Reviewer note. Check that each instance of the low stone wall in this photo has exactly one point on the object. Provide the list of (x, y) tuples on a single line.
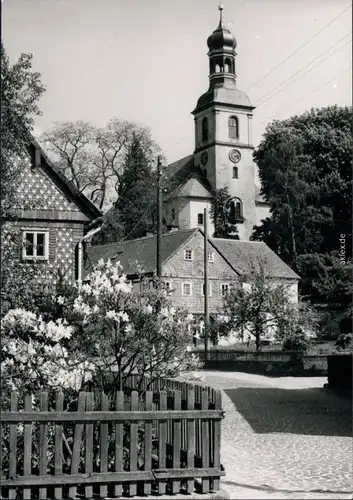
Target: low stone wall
[(340, 372), (264, 362)]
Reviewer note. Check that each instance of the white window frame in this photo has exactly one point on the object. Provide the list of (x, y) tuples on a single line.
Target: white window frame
[(35, 232), (228, 289), (210, 256), (200, 223), (191, 255), (182, 289), (209, 289)]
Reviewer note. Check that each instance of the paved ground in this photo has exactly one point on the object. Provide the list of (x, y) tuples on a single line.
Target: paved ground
[(284, 437)]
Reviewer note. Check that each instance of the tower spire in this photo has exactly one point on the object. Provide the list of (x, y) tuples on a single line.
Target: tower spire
[(220, 8)]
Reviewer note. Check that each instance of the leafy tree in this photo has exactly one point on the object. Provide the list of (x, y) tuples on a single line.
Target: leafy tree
[(305, 169), (223, 227), (134, 212), (262, 308), (94, 158), (21, 89)]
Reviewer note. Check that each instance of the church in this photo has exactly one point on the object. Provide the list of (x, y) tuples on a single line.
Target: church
[(223, 154)]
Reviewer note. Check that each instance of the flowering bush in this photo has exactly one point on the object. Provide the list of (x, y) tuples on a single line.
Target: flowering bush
[(123, 332), (34, 354), (101, 330)]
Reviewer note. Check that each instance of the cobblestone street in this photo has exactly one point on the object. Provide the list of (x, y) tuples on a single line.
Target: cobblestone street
[(284, 437)]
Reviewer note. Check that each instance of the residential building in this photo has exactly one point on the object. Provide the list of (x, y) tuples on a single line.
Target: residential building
[(223, 150), (183, 266), (51, 215)]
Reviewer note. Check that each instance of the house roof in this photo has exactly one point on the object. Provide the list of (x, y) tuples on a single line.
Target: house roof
[(55, 174), (243, 255), (141, 250), (239, 254)]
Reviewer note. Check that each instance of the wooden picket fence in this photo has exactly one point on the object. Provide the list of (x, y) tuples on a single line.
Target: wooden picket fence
[(155, 442)]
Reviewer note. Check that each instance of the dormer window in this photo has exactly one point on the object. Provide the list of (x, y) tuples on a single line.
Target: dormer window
[(204, 127), (233, 127)]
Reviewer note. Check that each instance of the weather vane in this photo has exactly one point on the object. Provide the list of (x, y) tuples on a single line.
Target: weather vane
[(220, 8)]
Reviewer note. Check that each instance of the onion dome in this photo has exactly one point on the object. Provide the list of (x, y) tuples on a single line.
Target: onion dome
[(221, 38)]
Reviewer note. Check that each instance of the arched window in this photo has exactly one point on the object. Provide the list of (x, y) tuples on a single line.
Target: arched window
[(217, 68), (238, 210), (233, 126), (235, 172), (234, 210), (227, 66), (204, 129)]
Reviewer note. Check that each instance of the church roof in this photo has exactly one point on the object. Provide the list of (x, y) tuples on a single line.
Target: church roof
[(193, 188), (227, 96), (185, 179)]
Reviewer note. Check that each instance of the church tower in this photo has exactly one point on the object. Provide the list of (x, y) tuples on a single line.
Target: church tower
[(223, 131)]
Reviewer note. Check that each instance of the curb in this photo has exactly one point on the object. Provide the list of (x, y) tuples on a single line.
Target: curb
[(217, 495)]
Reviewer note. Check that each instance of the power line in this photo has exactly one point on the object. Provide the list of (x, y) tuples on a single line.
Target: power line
[(300, 70), (297, 50), (311, 92), (289, 57)]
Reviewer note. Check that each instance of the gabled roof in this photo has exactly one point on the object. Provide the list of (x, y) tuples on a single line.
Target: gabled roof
[(193, 188), (240, 255), (141, 250), (185, 179), (63, 183)]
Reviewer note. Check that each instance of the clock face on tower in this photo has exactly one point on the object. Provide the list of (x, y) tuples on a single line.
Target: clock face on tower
[(204, 158), (234, 155)]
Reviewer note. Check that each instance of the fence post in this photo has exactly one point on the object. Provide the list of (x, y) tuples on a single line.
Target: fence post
[(76, 449), (176, 441), (43, 444), (27, 457), (133, 442), (13, 446), (191, 439), (58, 470), (104, 443), (217, 439), (162, 441), (89, 445), (205, 450), (148, 441)]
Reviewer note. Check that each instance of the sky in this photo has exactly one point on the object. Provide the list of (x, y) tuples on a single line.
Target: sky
[(146, 60)]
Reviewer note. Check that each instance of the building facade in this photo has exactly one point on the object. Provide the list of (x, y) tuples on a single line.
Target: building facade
[(223, 154), (183, 266), (51, 216)]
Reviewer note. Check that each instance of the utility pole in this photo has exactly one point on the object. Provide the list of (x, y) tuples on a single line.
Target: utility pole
[(159, 218), (206, 285)]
